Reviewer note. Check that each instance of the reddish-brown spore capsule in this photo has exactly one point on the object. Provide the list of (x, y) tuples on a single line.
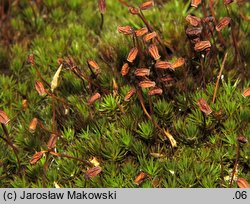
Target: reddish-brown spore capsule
[(147, 84), (204, 107), (125, 69), (33, 125), (140, 178), (93, 172), (141, 72), (129, 95), (132, 54), (4, 119), (153, 50), (94, 98)]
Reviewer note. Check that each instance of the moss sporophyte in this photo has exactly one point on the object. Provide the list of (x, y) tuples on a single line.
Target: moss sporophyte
[(157, 88)]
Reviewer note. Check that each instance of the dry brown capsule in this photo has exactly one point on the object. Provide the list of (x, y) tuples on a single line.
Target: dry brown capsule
[(218, 115), (142, 72), (195, 40), (246, 92), (150, 36), (153, 50), (115, 87), (208, 19), (132, 54), (167, 78), (147, 5), (130, 93), (195, 3), (93, 98), (141, 32), (36, 157), (93, 172), (60, 61), (147, 84), (163, 65), (155, 91), (31, 59), (193, 32), (125, 69), (126, 30), (193, 20), (178, 63), (204, 107), (202, 45), (140, 178), (24, 104), (222, 23), (102, 6), (242, 139), (33, 125), (4, 119), (133, 10), (242, 183), (226, 2), (93, 64), (40, 88), (70, 61), (52, 141)]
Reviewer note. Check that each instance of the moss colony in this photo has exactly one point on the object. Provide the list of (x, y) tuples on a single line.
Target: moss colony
[(124, 93)]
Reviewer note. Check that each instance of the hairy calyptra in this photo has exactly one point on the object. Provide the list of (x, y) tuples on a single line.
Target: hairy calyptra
[(54, 82)]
